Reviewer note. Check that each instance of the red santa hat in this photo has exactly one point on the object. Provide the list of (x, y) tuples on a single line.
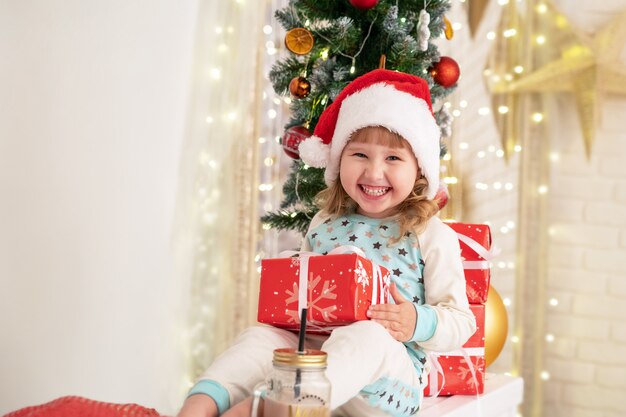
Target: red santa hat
[(397, 101)]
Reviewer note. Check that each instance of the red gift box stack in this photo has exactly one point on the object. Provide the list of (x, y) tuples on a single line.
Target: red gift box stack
[(312, 282), (450, 371)]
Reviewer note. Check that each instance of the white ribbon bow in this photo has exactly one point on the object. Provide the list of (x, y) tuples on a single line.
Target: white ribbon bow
[(483, 252)]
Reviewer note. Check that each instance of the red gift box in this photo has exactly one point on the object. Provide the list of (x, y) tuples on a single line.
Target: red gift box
[(336, 290), (475, 241), (457, 375)]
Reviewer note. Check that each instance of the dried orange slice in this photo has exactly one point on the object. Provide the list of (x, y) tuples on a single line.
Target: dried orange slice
[(299, 41)]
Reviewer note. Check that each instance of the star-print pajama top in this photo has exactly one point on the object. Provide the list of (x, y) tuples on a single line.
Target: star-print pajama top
[(426, 268)]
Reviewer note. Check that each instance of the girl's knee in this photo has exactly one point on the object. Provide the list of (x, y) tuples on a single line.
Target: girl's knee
[(364, 333), (268, 335)]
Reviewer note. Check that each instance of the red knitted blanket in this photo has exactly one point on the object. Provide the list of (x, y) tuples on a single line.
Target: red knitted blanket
[(83, 407)]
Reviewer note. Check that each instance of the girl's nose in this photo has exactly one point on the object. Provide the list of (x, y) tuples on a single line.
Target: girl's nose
[(374, 170)]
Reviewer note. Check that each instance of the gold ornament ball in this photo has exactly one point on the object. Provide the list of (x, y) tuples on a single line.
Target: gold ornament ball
[(496, 326), (299, 87)]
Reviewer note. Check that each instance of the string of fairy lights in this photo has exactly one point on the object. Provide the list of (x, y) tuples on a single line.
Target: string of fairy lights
[(491, 152)]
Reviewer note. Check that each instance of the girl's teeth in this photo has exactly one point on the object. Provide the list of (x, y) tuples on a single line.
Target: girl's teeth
[(378, 191)]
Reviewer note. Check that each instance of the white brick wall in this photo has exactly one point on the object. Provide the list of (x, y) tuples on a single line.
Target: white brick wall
[(586, 259)]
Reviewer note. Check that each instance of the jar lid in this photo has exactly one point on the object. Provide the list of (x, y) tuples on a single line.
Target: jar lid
[(311, 358)]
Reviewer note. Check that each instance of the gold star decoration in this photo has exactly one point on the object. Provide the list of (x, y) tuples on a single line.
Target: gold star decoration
[(588, 68)]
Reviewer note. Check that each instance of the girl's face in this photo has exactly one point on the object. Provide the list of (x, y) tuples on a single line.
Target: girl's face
[(378, 171)]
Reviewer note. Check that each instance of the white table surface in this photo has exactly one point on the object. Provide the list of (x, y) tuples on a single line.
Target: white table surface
[(502, 396)]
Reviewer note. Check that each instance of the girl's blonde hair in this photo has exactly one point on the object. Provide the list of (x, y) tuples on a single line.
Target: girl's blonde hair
[(412, 213)]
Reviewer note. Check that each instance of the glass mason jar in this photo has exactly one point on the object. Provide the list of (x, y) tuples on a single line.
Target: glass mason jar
[(297, 386)]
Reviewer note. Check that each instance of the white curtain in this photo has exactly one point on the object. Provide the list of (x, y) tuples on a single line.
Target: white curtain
[(217, 219)]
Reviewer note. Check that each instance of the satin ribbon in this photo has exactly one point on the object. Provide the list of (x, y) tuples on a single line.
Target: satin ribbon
[(483, 252), (378, 296), (433, 358)]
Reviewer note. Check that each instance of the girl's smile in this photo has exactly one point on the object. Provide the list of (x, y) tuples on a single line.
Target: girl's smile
[(376, 173)]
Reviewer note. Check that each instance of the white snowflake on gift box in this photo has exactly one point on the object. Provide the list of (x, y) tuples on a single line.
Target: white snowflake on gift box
[(313, 304), (465, 374), (361, 276)]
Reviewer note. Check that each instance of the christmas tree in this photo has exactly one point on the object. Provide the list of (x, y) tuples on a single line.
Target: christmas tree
[(331, 43)]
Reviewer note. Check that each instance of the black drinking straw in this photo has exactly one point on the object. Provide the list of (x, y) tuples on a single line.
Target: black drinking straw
[(300, 351)]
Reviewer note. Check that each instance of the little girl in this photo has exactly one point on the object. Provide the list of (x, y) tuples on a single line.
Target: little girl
[(379, 144)]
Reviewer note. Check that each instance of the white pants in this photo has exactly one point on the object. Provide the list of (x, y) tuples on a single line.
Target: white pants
[(358, 355)]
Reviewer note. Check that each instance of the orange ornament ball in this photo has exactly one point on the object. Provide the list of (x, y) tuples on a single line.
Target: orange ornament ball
[(299, 87)]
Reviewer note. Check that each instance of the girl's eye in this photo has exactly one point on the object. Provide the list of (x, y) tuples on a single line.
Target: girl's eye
[(359, 154), (393, 158)]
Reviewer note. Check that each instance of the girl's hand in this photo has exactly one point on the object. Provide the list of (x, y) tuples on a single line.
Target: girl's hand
[(399, 319)]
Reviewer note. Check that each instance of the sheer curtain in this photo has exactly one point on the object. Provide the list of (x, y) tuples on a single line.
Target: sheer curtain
[(217, 219)]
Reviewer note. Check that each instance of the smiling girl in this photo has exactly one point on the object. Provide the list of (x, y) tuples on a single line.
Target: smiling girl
[(379, 144)]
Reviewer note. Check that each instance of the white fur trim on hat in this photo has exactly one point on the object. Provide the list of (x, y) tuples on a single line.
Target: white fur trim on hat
[(383, 105), (314, 152)]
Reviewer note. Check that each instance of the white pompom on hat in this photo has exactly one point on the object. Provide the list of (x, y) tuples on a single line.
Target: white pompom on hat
[(397, 101)]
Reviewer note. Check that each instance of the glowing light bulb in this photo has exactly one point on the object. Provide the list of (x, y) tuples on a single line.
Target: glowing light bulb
[(509, 33), (216, 73)]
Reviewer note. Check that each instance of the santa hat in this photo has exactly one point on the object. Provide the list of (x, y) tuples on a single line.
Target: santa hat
[(397, 101)]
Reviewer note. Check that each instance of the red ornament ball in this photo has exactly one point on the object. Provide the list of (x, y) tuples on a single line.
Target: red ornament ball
[(291, 140), (446, 72), (364, 4), (299, 87)]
